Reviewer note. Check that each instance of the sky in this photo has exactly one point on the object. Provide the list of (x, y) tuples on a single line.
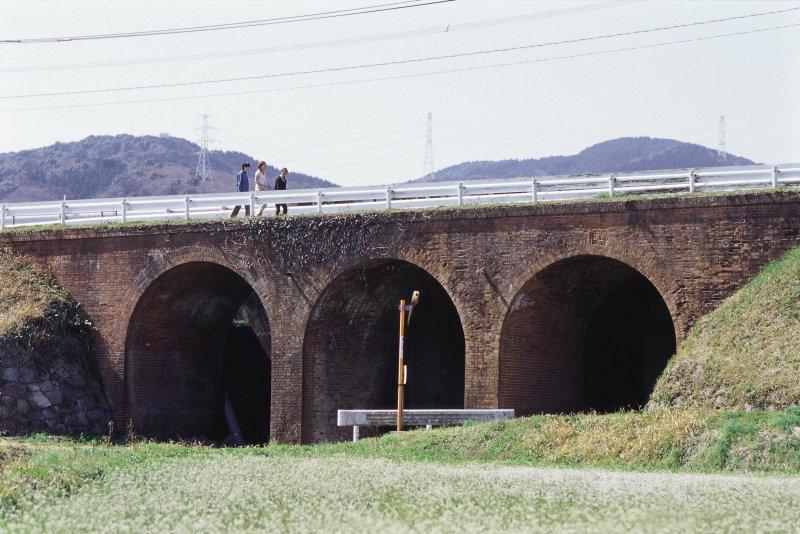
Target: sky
[(523, 103)]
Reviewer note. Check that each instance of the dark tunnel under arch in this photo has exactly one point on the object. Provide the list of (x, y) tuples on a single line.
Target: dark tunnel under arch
[(585, 333), (197, 336), (350, 347)]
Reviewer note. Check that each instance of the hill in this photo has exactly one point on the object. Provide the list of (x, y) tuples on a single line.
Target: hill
[(626, 154), (122, 165), (746, 353)]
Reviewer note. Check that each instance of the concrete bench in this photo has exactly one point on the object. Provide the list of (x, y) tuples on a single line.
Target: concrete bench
[(427, 418)]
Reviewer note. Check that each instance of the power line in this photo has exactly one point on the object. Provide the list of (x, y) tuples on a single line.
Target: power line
[(765, 137), (326, 156), (234, 25), (405, 140), (404, 76), (450, 28), (327, 161), (505, 133), (397, 62), (392, 133), (293, 154)]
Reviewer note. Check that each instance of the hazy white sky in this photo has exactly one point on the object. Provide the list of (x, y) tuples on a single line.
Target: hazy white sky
[(375, 132)]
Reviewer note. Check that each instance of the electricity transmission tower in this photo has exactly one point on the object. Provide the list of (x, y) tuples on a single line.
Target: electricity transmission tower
[(428, 167), (721, 151), (203, 171)]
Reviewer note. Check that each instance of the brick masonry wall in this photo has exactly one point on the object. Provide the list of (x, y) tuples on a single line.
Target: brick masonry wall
[(695, 250), (542, 342), (174, 352), (350, 348)]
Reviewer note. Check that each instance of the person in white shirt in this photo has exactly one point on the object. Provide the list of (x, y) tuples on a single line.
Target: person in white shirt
[(261, 183)]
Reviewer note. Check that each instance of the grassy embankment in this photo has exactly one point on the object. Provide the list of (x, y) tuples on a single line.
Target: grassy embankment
[(27, 295)]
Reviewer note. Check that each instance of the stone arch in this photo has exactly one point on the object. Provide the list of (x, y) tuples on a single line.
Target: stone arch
[(197, 338), (350, 345), (584, 332)]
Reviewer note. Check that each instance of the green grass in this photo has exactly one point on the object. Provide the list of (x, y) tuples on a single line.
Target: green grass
[(667, 440), (425, 480), (746, 353)]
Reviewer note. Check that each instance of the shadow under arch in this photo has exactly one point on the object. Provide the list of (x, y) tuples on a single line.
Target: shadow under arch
[(586, 332), (198, 343), (351, 340)]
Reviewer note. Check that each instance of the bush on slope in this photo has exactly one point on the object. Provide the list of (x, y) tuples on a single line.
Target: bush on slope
[(26, 294)]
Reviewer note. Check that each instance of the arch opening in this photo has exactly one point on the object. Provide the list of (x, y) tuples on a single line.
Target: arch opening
[(585, 333), (198, 358), (351, 342)]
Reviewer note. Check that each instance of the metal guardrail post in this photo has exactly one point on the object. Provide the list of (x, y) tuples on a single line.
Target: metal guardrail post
[(388, 197), (252, 203), (611, 179), (775, 177), (460, 193), (124, 210), (319, 201), (3, 217), (535, 190), (63, 212), (692, 180), (186, 208)]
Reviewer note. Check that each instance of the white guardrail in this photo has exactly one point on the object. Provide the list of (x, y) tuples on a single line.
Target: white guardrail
[(409, 196)]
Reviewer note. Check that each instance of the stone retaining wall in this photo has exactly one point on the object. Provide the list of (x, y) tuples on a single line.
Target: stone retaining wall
[(48, 382), (58, 399)]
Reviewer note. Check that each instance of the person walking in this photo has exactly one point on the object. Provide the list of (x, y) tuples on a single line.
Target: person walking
[(280, 185), (242, 186), (261, 184)]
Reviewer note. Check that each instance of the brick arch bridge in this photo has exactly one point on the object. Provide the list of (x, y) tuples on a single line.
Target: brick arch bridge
[(548, 307)]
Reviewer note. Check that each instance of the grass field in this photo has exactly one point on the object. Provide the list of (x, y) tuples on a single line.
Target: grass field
[(62, 486)]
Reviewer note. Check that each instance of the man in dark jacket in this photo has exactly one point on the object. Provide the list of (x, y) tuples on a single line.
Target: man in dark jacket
[(242, 185), (280, 185)]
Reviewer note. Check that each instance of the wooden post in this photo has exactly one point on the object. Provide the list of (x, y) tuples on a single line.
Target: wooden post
[(401, 366)]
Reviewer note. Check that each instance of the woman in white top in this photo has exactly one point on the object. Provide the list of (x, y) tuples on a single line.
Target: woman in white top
[(261, 183)]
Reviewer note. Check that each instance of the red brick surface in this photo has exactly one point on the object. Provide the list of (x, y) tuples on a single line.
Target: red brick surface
[(157, 293)]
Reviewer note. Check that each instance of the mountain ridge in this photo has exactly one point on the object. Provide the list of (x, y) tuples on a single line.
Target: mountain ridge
[(101, 166), (127, 165), (623, 154)]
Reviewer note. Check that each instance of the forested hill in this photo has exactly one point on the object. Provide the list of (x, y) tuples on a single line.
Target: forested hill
[(626, 154), (122, 165)]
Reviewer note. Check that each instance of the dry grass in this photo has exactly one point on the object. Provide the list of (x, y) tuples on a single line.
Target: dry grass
[(26, 293), (747, 352), (629, 437), (694, 439)]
